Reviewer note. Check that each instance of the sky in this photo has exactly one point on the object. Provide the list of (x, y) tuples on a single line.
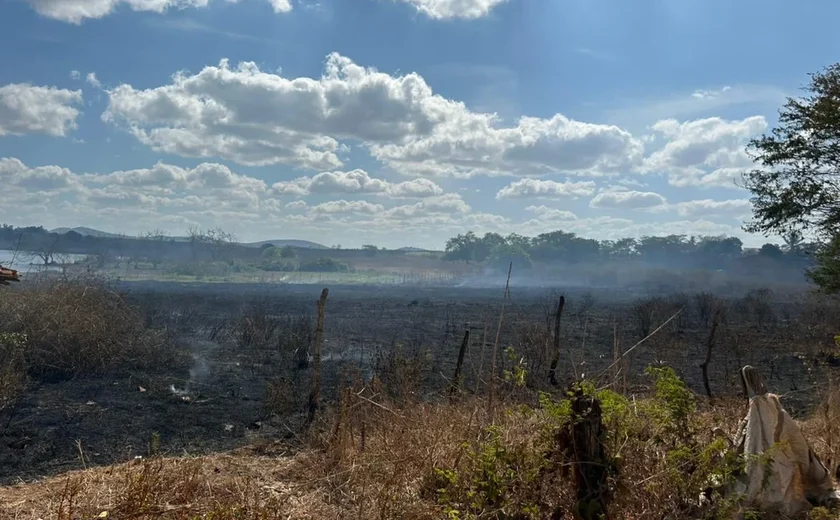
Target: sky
[(395, 122)]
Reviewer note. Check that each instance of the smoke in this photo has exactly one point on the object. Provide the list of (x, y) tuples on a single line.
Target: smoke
[(200, 367)]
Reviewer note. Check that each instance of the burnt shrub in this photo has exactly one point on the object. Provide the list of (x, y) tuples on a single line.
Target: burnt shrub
[(81, 326)]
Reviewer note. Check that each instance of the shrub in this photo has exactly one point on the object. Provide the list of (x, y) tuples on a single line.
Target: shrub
[(12, 367), (324, 264), (80, 326)]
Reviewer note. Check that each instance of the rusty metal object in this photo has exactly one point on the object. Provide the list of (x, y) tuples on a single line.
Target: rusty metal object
[(8, 275)]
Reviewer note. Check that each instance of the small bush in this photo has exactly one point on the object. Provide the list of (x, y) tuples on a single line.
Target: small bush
[(12, 367), (324, 265), (81, 326)]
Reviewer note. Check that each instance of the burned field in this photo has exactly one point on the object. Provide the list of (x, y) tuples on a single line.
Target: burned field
[(237, 363)]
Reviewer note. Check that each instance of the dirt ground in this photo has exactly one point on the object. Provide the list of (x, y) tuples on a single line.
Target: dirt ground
[(408, 336)]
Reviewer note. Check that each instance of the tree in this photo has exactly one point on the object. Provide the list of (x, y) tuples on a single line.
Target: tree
[(461, 247), (503, 254), (771, 251), (221, 242), (43, 248), (155, 246), (797, 186), (197, 239), (370, 250), (485, 246), (792, 239)]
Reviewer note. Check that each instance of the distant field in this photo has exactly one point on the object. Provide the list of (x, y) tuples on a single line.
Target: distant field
[(351, 278)]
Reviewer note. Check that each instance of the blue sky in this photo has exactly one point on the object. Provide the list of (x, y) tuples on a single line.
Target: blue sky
[(394, 122)]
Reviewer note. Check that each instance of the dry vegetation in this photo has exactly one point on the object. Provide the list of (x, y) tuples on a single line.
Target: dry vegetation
[(387, 446)]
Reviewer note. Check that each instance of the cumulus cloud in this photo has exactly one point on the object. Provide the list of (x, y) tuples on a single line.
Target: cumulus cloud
[(448, 9), (77, 11), (356, 181), (15, 174), (26, 109), (537, 188), (545, 213), (255, 117), (92, 80), (167, 196), (627, 200), (705, 152), (469, 144), (707, 207), (345, 206)]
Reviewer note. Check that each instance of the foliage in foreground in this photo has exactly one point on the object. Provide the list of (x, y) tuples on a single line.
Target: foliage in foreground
[(374, 458)]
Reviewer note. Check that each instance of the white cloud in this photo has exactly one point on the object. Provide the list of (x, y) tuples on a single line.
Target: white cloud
[(708, 152), (719, 178), (450, 203), (74, 74), (545, 213), (627, 200), (208, 194), (447, 9), (45, 179), (257, 118), (92, 80), (297, 204), (345, 206), (172, 197), (76, 11), (710, 94), (26, 109), (537, 188), (280, 6), (707, 207), (356, 181), (468, 144)]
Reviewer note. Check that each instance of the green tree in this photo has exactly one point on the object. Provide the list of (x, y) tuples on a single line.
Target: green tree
[(503, 254), (771, 251), (797, 186), (461, 247)]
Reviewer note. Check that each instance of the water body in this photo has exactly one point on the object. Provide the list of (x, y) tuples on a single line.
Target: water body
[(22, 261)]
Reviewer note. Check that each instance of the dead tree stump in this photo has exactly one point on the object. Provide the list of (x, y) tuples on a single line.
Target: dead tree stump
[(587, 456), (555, 360), (456, 379)]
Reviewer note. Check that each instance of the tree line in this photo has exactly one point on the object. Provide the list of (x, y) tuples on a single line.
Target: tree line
[(708, 252)]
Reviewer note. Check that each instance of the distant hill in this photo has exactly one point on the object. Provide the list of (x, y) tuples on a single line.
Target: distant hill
[(282, 243), (410, 249), (85, 231)]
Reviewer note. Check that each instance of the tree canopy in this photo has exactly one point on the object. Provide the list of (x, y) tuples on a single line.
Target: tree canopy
[(796, 187)]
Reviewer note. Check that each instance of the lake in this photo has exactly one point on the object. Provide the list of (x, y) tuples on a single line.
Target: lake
[(21, 260)]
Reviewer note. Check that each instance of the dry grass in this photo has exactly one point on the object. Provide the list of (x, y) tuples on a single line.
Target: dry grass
[(80, 326), (370, 459), (219, 486)]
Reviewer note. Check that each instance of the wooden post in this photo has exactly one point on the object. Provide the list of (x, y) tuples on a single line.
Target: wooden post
[(315, 392), (456, 379), (710, 343), (492, 380), (552, 372)]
